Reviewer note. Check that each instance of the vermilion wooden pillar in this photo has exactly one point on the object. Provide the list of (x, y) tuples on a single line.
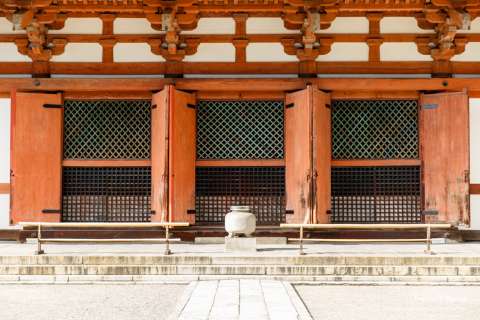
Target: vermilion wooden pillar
[(173, 155), (37, 149), (308, 155), (445, 155)]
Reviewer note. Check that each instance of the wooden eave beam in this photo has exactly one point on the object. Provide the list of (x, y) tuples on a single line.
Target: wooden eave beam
[(270, 85)]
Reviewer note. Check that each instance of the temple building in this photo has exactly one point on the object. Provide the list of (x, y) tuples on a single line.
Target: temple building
[(329, 111)]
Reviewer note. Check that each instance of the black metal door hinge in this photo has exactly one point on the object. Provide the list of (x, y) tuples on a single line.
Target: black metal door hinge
[(290, 105), (51, 211), (52, 106), (191, 106)]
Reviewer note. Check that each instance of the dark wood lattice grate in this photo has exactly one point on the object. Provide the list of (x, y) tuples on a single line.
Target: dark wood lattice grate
[(375, 129), (262, 188), (240, 129), (107, 129), (376, 195), (106, 194)]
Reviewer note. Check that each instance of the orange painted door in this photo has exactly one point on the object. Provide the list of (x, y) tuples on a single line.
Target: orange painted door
[(36, 157), (173, 155), (307, 155), (445, 155), (322, 155), (159, 154)]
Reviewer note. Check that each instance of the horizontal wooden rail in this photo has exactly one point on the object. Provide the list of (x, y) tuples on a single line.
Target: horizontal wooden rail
[(376, 163), (106, 163), (366, 226), (357, 240), (105, 224), (166, 225), (127, 240), (241, 163), (383, 226)]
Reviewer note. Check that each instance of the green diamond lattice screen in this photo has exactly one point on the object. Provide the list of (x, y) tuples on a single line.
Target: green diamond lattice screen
[(107, 129), (240, 129), (375, 129)]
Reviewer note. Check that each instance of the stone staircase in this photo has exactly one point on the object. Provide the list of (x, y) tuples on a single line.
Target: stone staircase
[(186, 268)]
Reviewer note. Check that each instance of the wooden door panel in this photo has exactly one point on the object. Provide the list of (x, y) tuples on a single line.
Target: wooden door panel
[(445, 155), (36, 157), (159, 151), (182, 155), (298, 154), (322, 155)]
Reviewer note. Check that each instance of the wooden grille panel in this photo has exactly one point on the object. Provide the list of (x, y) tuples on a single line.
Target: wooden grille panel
[(376, 195), (375, 129), (107, 129), (106, 194), (218, 188), (240, 130)]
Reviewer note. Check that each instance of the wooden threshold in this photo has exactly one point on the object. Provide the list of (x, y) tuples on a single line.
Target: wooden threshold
[(375, 163), (240, 163), (106, 163)]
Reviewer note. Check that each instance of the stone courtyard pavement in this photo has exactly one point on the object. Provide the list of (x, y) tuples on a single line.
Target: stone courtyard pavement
[(209, 300)]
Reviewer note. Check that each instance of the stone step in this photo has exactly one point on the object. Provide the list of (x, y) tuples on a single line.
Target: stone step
[(185, 279), (267, 270), (315, 260)]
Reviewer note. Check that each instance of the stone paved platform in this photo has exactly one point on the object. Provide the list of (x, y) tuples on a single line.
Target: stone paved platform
[(440, 248), (240, 300)]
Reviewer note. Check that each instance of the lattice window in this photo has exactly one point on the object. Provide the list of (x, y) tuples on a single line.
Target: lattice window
[(240, 130), (107, 129), (383, 129), (262, 188), (376, 195), (106, 194)]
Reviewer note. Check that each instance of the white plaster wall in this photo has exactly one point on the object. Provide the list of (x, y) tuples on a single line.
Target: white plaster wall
[(135, 52), (474, 27), (347, 25), (266, 26), (401, 25), (6, 27), (267, 52), (133, 26), (213, 52), (346, 51), (80, 52), (471, 53), (402, 51), (9, 53), (213, 26), (80, 26), (475, 161), (4, 159)]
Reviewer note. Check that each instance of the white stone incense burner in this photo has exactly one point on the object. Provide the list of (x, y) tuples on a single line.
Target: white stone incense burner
[(240, 221)]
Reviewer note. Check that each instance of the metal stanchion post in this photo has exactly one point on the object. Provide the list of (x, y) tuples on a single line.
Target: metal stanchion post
[(167, 241), (429, 240), (301, 241), (39, 240)]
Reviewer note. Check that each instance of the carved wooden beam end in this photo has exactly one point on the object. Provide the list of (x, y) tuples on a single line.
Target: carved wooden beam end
[(447, 17), (184, 46)]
